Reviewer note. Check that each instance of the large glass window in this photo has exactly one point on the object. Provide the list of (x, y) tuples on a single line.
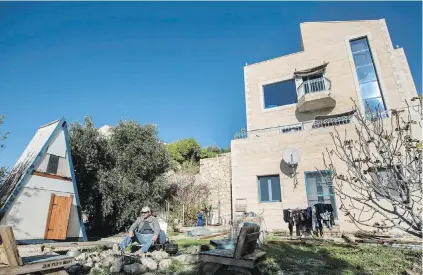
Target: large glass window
[(279, 94), (319, 189), (269, 189), (367, 76)]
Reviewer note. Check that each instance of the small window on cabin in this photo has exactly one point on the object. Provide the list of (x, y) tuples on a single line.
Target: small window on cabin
[(279, 94), (53, 164)]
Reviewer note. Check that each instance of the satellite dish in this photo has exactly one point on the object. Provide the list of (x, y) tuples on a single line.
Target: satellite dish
[(291, 156)]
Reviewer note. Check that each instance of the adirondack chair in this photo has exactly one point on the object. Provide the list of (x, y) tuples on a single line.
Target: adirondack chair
[(243, 259)]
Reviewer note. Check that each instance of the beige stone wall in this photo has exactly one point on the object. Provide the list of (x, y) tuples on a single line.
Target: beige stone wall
[(216, 173), (329, 42), (261, 154)]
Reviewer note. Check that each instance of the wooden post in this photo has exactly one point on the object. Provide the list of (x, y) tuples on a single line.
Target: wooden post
[(10, 247)]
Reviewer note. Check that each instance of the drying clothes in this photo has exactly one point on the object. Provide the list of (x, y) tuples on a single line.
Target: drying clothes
[(286, 215)]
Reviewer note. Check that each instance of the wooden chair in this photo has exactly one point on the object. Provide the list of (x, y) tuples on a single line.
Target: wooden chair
[(243, 259)]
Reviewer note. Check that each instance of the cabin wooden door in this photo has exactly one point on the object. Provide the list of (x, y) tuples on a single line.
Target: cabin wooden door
[(58, 217)]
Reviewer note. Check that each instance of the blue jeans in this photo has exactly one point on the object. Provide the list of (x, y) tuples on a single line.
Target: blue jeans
[(146, 240)]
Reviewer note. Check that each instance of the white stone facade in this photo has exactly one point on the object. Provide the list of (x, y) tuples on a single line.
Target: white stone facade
[(259, 151)]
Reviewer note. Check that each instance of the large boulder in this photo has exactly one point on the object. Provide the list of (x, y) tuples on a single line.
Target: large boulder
[(82, 257), (117, 265), (165, 264), (159, 255), (149, 263), (134, 268)]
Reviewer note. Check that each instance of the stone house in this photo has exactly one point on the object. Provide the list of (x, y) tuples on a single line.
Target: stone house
[(294, 101)]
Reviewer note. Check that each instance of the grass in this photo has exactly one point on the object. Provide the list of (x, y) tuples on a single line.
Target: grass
[(330, 259), (284, 258), (183, 243)]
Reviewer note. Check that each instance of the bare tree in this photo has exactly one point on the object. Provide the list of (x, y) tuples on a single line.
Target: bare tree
[(188, 196), (377, 169)]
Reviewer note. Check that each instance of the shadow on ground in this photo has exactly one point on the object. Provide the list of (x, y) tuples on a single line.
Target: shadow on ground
[(290, 259), (305, 259)]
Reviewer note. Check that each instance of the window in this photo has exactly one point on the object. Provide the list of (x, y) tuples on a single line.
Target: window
[(386, 181), (269, 189), (279, 94), (319, 188), (367, 76), (53, 164)]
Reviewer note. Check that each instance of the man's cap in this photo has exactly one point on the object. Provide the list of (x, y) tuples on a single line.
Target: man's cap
[(145, 209)]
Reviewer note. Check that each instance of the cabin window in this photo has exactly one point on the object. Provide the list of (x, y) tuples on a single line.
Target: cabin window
[(53, 164)]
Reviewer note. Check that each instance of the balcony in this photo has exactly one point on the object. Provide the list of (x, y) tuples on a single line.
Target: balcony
[(315, 94), (318, 122)]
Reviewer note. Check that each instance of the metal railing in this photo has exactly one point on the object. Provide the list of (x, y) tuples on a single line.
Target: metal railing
[(313, 86), (272, 130), (333, 121), (301, 126)]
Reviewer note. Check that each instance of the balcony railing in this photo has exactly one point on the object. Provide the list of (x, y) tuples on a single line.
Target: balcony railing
[(312, 124), (313, 86)]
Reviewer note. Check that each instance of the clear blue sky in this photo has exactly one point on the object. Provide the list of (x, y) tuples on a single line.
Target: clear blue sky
[(178, 65)]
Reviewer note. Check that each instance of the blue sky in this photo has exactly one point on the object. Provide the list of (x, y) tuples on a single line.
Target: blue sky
[(177, 65)]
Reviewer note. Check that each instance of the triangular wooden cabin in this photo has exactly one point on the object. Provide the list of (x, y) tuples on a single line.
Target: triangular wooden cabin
[(39, 198)]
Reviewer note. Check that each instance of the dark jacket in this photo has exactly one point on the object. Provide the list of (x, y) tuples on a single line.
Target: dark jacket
[(151, 221)]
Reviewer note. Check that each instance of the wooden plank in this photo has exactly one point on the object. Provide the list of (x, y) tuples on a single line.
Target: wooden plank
[(255, 256), (252, 237), (219, 253), (226, 261), (50, 208), (38, 266), (59, 218), (10, 247), (3, 256), (240, 242), (51, 176), (349, 238)]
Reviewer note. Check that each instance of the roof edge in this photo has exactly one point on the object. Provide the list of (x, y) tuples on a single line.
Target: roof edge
[(346, 21)]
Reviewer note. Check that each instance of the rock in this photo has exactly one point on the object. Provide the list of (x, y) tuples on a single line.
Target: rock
[(192, 259), (187, 259), (116, 248), (82, 257), (89, 262), (96, 259), (95, 271), (159, 255), (134, 268), (149, 263), (117, 265), (164, 264), (182, 258), (194, 249), (75, 269), (109, 260)]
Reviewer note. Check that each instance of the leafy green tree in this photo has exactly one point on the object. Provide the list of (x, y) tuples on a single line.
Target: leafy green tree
[(119, 174), (212, 151), (90, 157), (186, 149)]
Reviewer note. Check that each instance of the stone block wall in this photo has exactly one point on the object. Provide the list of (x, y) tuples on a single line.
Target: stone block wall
[(216, 173)]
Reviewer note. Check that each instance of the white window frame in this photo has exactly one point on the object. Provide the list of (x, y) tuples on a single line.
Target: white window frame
[(271, 81), (376, 63)]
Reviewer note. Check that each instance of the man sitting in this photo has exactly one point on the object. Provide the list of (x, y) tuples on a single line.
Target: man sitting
[(145, 230)]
